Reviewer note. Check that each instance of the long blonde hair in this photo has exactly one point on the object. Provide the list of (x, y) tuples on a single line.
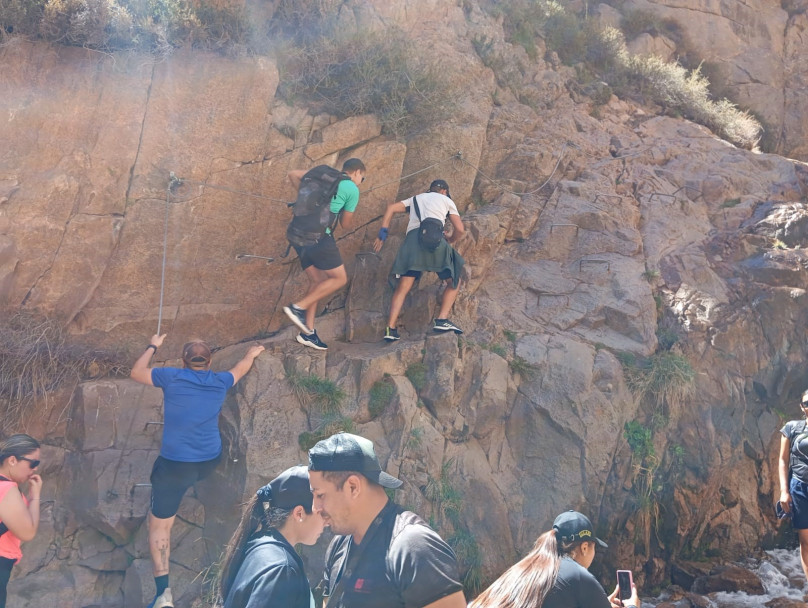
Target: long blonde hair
[(527, 583)]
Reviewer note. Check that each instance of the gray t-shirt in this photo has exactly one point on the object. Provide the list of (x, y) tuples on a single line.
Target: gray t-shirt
[(401, 563), (575, 587), (797, 433)]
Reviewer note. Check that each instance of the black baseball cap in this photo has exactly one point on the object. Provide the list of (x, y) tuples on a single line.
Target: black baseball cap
[(439, 184), (289, 489), (572, 526), (347, 452)]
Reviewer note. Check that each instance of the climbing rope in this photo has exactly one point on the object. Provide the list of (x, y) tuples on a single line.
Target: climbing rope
[(172, 181)]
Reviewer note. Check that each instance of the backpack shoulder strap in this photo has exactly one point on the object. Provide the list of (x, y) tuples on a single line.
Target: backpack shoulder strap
[(417, 210)]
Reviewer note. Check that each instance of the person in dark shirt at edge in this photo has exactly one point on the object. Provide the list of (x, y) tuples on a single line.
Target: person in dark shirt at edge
[(191, 446), (383, 556), (793, 474), (555, 573), (261, 568)]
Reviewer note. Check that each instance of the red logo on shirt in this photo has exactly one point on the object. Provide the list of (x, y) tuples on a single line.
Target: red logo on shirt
[(360, 582)]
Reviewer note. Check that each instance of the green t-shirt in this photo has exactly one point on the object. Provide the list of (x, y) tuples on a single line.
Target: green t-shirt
[(346, 198)]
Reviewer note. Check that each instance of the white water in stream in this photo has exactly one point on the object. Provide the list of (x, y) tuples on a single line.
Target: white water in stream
[(780, 573)]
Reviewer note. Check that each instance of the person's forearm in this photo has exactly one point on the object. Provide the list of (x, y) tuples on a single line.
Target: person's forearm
[(33, 511), (142, 362), (140, 370), (388, 215), (783, 474)]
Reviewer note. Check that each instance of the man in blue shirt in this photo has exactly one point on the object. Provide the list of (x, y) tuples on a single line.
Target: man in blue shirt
[(322, 261), (191, 448)]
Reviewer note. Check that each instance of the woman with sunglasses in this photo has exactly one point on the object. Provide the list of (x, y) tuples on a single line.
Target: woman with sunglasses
[(261, 568), (19, 516), (793, 473), (555, 574)]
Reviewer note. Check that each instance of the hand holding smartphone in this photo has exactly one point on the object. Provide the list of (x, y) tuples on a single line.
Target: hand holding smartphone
[(626, 582)]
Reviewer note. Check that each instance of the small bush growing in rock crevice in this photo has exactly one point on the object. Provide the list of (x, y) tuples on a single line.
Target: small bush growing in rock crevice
[(323, 393), (381, 395), (576, 40), (385, 74), (666, 377), (36, 361), (416, 373), (146, 25)]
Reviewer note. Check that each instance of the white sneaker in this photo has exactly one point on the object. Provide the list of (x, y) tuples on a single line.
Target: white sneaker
[(164, 600)]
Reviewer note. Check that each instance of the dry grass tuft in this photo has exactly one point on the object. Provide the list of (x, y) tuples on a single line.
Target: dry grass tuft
[(36, 360)]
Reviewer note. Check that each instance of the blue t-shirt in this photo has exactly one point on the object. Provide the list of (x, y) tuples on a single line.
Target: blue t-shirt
[(192, 402)]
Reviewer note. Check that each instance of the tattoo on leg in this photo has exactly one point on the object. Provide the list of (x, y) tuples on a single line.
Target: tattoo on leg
[(164, 556)]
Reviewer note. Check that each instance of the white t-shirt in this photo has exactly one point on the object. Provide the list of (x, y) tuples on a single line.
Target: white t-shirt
[(431, 204)]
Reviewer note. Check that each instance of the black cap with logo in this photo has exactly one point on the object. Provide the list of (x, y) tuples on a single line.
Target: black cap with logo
[(572, 526)]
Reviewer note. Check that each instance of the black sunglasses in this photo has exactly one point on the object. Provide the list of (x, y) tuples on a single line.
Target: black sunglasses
[(363, 180), (803, 403), (34, 463)]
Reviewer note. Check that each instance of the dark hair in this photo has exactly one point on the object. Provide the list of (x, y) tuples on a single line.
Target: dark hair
[(353, 164), (18, 445), (527, 583), (258, 519)]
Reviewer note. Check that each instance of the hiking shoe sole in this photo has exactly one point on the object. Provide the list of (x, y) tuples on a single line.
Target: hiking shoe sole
[(314, 342), (298, 319), (446, 326)]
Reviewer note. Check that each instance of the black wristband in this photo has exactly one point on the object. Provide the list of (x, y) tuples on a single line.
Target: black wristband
[(151, 346)]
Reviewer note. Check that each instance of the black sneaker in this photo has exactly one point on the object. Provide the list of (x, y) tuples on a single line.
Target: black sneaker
[(391, 334), (297, 316), (442, 325), (312, 340)]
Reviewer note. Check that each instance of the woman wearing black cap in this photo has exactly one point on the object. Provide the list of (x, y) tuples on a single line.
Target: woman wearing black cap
[(554, 574), (261, 567)]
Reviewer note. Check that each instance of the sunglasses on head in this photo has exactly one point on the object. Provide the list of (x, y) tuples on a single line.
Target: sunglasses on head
[(33, 463)]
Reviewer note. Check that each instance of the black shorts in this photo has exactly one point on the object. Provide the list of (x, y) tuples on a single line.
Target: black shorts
[(5, 574), (170, 480), (323, 255), (444, 274)]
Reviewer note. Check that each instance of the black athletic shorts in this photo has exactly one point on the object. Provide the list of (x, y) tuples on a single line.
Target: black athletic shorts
[(170, 480), (323, 255), (444, 274), (5, 574)]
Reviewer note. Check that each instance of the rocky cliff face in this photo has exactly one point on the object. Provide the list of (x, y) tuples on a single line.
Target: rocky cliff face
[(597, 236), (756, 51)]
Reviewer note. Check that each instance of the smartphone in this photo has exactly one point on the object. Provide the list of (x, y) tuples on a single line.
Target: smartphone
[(625, 581)]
